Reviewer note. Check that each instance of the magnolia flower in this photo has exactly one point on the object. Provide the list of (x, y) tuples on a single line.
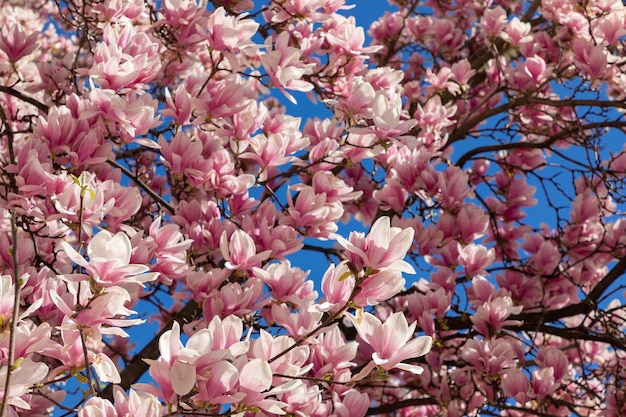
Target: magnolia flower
[(25, 374), (15, 44), (492, 315), (383, 247), (392, 341), (109, 261)]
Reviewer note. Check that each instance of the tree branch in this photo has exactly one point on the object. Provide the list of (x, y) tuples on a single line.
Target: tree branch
[(143, 186), (533, 145), (17, 94), (411, 402), (533, 320)]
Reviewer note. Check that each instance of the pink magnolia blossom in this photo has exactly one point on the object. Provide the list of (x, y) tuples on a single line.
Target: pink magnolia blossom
[(109, 261), (26, 374), (282, 65), (240, 251), (126, 59), (492, 315), (229, 33), (337, 285), (493, 21), (150, 165), (393, 341), (382, 248), (14, 42), (515, 384), (475, 258)]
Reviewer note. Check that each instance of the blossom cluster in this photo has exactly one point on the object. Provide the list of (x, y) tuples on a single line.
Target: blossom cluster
[(156, 180)]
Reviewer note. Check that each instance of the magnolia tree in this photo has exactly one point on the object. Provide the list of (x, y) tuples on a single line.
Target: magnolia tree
[(149, 171)]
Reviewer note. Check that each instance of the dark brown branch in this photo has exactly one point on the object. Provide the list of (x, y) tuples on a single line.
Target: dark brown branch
[(17, 94), (532, 145), (531, 321), (411, 402), (143, 186), (463, 130)]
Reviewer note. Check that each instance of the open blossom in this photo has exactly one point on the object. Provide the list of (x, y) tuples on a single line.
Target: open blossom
[(25, 375), (207, 351), (136, 404), (516, 384), (126, 59), (382, 248), (392, 341), (240, 251), (283, 65), (152, 171), (337, 285), (492, 315), (109, 261)]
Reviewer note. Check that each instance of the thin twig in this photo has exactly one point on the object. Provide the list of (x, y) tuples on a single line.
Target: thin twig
[(142, 185), (15, 316)]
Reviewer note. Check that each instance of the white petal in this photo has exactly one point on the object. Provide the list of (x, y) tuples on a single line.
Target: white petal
[(256, 375), (183, 377)]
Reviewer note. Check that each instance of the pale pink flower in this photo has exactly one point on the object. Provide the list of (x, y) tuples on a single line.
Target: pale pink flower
[(352, 403), (283, 65), (313, 213), (294, 363), (337, 285), (393, 341), (536, 68), (240, 251), (106, 309), (179, 107), (543, 382), (382, 248), (14, 42), (300, 323), (357, 99), (492, 316), (136, 403), (255, 381), (334, 187), (475, 258), (175, 371), (611, 28), (553, 357), (234, 298), (109, 261), (170, 250), (306, 9), (491, 357), (590, 58), (379, 287), (462, 72), (347, 37), (115, 10), (515, 384), (392, 196), (331, 353), (125, 59), (97, 407), (517, 32), (231, 33), (26, 374), (286, 283), (493, 21)]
